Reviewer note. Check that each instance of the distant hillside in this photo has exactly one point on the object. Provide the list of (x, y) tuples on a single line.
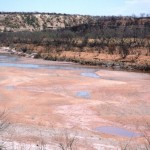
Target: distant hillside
[(26, 21), (14, 22)]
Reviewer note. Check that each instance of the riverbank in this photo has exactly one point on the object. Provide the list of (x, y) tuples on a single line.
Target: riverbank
[(115, 62)]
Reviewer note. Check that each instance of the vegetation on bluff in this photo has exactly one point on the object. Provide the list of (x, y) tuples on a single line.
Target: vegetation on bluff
[(104, 35)]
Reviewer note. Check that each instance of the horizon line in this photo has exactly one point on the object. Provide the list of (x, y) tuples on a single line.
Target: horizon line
[(57, 13)]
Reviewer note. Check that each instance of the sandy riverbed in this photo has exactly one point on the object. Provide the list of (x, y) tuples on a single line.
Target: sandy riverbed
[(43, 94)]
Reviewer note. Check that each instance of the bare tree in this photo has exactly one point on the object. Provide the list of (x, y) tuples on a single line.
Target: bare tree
[(65, 140)]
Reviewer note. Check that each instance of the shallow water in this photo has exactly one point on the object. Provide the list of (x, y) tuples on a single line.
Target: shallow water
[(15, 61), (32, 66), (83, 94), (90, 74), (10, 87), (52, 67), (117, 131), (7, 58)]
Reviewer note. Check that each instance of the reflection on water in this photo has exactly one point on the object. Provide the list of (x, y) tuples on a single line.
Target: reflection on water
[(117, 131)]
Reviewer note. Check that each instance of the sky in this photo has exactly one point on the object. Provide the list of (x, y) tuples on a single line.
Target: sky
[(83, 7)]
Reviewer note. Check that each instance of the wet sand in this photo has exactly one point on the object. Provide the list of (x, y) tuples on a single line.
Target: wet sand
[(65, 95)]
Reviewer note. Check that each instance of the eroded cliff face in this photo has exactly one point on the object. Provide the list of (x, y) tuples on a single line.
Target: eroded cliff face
[(36, 22)]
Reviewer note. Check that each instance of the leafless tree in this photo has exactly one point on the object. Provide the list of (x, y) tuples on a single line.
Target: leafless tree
[(65, 140)]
